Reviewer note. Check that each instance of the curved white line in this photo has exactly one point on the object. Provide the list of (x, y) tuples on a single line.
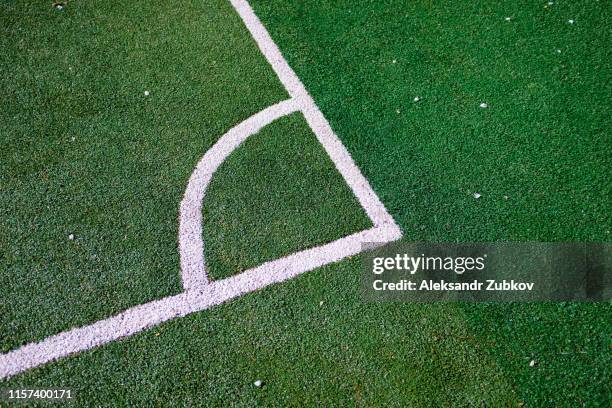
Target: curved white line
[(191, 246)]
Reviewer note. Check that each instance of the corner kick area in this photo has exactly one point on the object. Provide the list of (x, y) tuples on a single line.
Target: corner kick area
[(171, 171), (200, 292)]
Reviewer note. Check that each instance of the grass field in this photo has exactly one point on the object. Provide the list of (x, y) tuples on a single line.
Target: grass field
[(86, 153)]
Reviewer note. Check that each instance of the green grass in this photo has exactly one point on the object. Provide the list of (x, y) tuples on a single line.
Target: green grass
[(277, 194), (570, 343), (343, 353), (544, 143), (82, 73)]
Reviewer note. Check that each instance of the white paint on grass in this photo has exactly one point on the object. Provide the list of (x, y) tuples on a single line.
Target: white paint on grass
[(317, 122), (191, 246), (200, 293)]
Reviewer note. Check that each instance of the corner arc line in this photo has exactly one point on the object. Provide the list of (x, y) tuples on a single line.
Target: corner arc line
[(191, 246)]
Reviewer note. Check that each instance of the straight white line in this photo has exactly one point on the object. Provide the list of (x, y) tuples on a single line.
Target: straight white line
[(153, 313), (84, 338), (268, 48), (345, 165), (317, 122)]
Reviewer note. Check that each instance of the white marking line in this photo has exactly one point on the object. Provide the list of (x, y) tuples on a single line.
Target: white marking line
[(153, 313), (191, 246), (200, 294), (317, 122)]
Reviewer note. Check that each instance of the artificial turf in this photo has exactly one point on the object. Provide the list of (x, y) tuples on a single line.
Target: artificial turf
[(540, 155), (85, 152), (343, 352), (543, 142), (277, 194)]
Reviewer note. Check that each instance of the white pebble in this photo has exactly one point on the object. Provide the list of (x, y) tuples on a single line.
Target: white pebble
[(476, 195), (397, 111), (146, 93), (258, 383), (71, 237), (321, 303), (532, 363), (558, 51), (72, 139), (59, 7), (484, 105), (550, 3), (394, 61), (571, 21), (417, 98), (508, 18), (506, 197)]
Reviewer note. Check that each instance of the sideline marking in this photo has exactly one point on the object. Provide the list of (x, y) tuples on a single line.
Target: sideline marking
[(200, 293)]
